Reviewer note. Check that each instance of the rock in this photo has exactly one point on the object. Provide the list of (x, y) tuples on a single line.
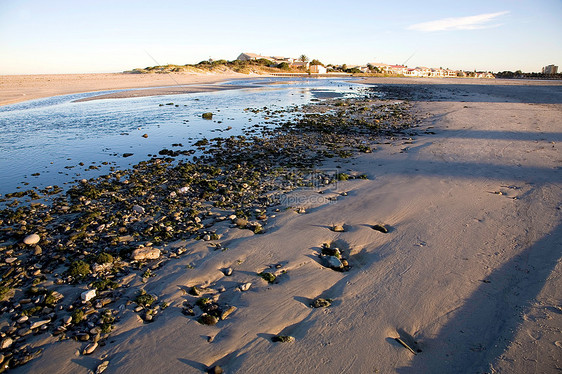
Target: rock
[(338, 228), (207, 319), (195, 291), (228, 312), (90, 348), (332, 262), (381, 228), (38, 324), (245, 286), (38, 251), (227, 272), (138, 209), (6, 343), (67, 320), (23, 319), (145, 253), (283, 339), (101, 367), (215, 370), (11, 260), (31, 239), (88, 295), (321, 303), (145, 136), (207, 115), (207, 237), (126, 238)]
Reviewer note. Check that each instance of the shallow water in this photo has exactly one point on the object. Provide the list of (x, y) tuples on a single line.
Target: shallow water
[(43, 142)]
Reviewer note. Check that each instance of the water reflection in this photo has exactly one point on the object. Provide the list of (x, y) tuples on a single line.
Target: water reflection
[(56, 140)]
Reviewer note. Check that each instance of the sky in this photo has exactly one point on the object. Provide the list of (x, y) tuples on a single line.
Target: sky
[(86, 36)]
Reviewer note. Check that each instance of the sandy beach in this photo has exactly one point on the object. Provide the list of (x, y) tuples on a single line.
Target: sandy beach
[(18, 88), (465, 280)]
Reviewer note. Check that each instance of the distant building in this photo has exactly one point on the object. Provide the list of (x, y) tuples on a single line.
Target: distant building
[(251, 57), (550, 69), (317, 69), (246, 56), (298, 64)]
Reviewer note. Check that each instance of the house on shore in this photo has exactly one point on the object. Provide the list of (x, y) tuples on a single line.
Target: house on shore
[(317, 69), (300, 64)]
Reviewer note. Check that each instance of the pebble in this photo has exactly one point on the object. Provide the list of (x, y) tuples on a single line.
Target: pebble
[(338, 228), (31, 239), (215, 370), (245, 286), (101, 367), (321, 303), (138, 209), (90, 348), (227, 272), (228, 312), (7, 342), (37, 324), (333, 262), (11, 260), (23, 319), (88, 295), (381, 228), (145, 253)]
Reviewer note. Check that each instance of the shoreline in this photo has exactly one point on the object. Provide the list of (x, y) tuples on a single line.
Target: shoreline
[(20, 88), (471, 201)]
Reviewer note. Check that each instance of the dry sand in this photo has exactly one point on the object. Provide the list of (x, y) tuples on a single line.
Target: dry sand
[(17, 88), (470, 269)]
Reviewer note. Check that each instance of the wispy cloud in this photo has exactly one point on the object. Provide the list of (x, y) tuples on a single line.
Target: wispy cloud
[(481, 21)]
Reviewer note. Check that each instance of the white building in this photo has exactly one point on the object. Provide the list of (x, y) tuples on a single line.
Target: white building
[(317, 69)]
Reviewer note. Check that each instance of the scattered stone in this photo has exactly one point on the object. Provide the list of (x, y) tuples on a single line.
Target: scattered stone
[(207, 115), (88, 295), (195, 291), (269, 277), (215, 370), (338, 228), (145, 253), (138, 209), (10, 260), (145, 136), (22, 319), (227, 272), (101, 367), (283, 339), (90, 348), (31, 239), (381, 228), (245, 286), (38, 324), (6, 343), (207, 319), (332, 262), (321, 303), (228, 312)]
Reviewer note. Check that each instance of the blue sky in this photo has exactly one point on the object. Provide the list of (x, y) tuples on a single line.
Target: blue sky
[(59, 36)]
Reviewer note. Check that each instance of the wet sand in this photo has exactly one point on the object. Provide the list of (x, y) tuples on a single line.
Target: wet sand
[(18, 88)]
